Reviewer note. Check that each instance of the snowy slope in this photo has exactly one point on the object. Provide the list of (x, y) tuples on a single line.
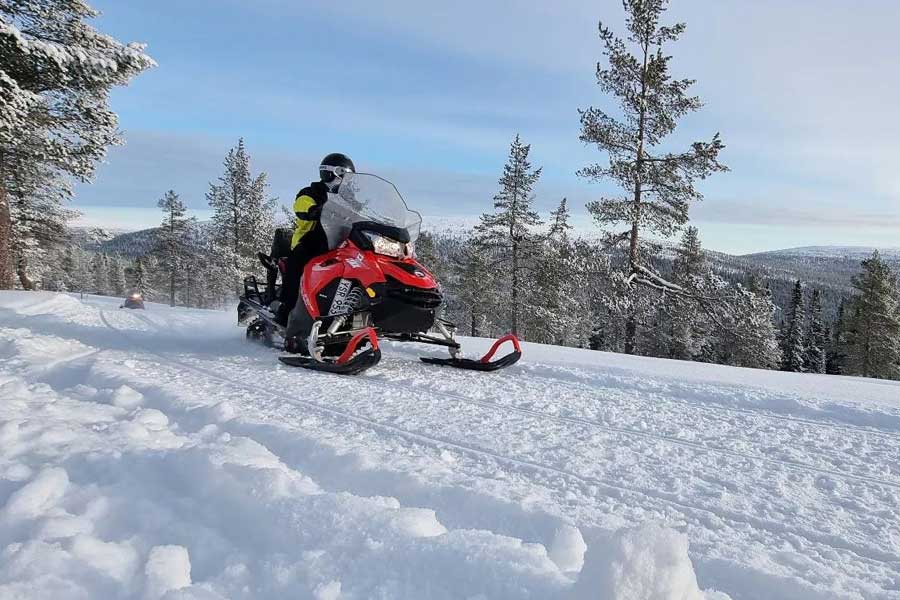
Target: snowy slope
[(851, 252), (151, 454)]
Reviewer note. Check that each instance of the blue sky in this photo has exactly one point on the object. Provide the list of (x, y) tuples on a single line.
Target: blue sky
[(804, 93)]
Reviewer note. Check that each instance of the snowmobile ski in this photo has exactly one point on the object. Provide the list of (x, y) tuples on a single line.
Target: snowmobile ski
[(348, 363), (484, 363)]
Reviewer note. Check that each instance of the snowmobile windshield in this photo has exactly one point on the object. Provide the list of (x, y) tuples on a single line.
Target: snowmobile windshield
[(364, 197)]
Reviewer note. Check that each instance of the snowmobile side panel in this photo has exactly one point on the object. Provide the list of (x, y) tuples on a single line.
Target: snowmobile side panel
[(407, 271), (346, 262)]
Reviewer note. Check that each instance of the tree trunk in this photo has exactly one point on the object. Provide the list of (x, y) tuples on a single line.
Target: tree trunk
[(22, 272), (631, 322), (867, 349), (515, 247), (6, 271), (515, 289), (172, 256)]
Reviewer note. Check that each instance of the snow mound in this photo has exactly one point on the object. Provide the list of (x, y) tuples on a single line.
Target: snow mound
[(38, 496), (647, 563), (567, 549), (168, 568), (127, 398), (116, 560)]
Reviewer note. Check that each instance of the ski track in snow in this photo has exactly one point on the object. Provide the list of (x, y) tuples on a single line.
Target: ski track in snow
[(774, 504)]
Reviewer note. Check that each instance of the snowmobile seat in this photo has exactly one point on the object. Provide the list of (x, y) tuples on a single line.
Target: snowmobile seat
[(281, 243)]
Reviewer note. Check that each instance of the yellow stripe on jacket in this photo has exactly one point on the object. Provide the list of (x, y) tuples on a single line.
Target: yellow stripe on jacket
[(302, 226)]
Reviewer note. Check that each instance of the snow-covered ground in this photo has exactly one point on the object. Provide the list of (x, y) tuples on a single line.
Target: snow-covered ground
[(155, 454)]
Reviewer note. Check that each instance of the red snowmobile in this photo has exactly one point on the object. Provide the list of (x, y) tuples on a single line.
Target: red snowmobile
[(369, 286)]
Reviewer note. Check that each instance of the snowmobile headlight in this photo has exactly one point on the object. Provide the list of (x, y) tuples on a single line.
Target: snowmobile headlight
[(386, 246), (135, 296)]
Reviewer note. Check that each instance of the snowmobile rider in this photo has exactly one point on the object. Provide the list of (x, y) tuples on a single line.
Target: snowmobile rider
[(309, 239)]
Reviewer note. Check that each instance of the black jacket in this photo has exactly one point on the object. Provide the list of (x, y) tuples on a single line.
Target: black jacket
[(309, 238)]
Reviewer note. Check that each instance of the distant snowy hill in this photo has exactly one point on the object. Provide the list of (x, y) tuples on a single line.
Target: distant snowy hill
[(849, 252), (829, 268), (129, 244)]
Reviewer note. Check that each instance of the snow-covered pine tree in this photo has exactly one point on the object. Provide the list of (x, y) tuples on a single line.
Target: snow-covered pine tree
[(658, 185), (426, 253), (72, 269), (838, 342), (583, 269), (474, 278), (751, 337), (687, 322), (210, 283), (873, 329), (550, 310), (792, 349), (99, 274), (141, 277), (54, 277), (55, 75), (816, 336), (83, 274), (243, 217), (39, 222), (508, 235), (260, 218), (171, 241), (116, 274)]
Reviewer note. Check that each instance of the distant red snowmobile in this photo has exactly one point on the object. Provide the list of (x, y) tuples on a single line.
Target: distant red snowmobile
[(133, 300), (369, 286)]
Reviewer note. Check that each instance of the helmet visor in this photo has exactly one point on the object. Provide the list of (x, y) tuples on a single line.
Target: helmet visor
[(333, 175)]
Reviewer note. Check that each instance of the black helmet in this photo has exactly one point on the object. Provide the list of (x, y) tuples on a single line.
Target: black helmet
[(333, 167)]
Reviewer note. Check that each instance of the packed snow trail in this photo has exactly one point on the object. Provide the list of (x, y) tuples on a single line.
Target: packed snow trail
[(144, 452)]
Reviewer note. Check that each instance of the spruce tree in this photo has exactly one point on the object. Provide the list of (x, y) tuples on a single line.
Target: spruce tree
[(243, 217), (508, 235), (686, 337), (792, 348), (172, 240), (753, 338), (658, 185), (552, 309), (39, 223), (54, 277), (56, 72), (474, 280), (70, 269), (83, 275), (116, 274), (99, 275), (816, 336), (837, 344), (141, 283), (215, 288), (873, 330)]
